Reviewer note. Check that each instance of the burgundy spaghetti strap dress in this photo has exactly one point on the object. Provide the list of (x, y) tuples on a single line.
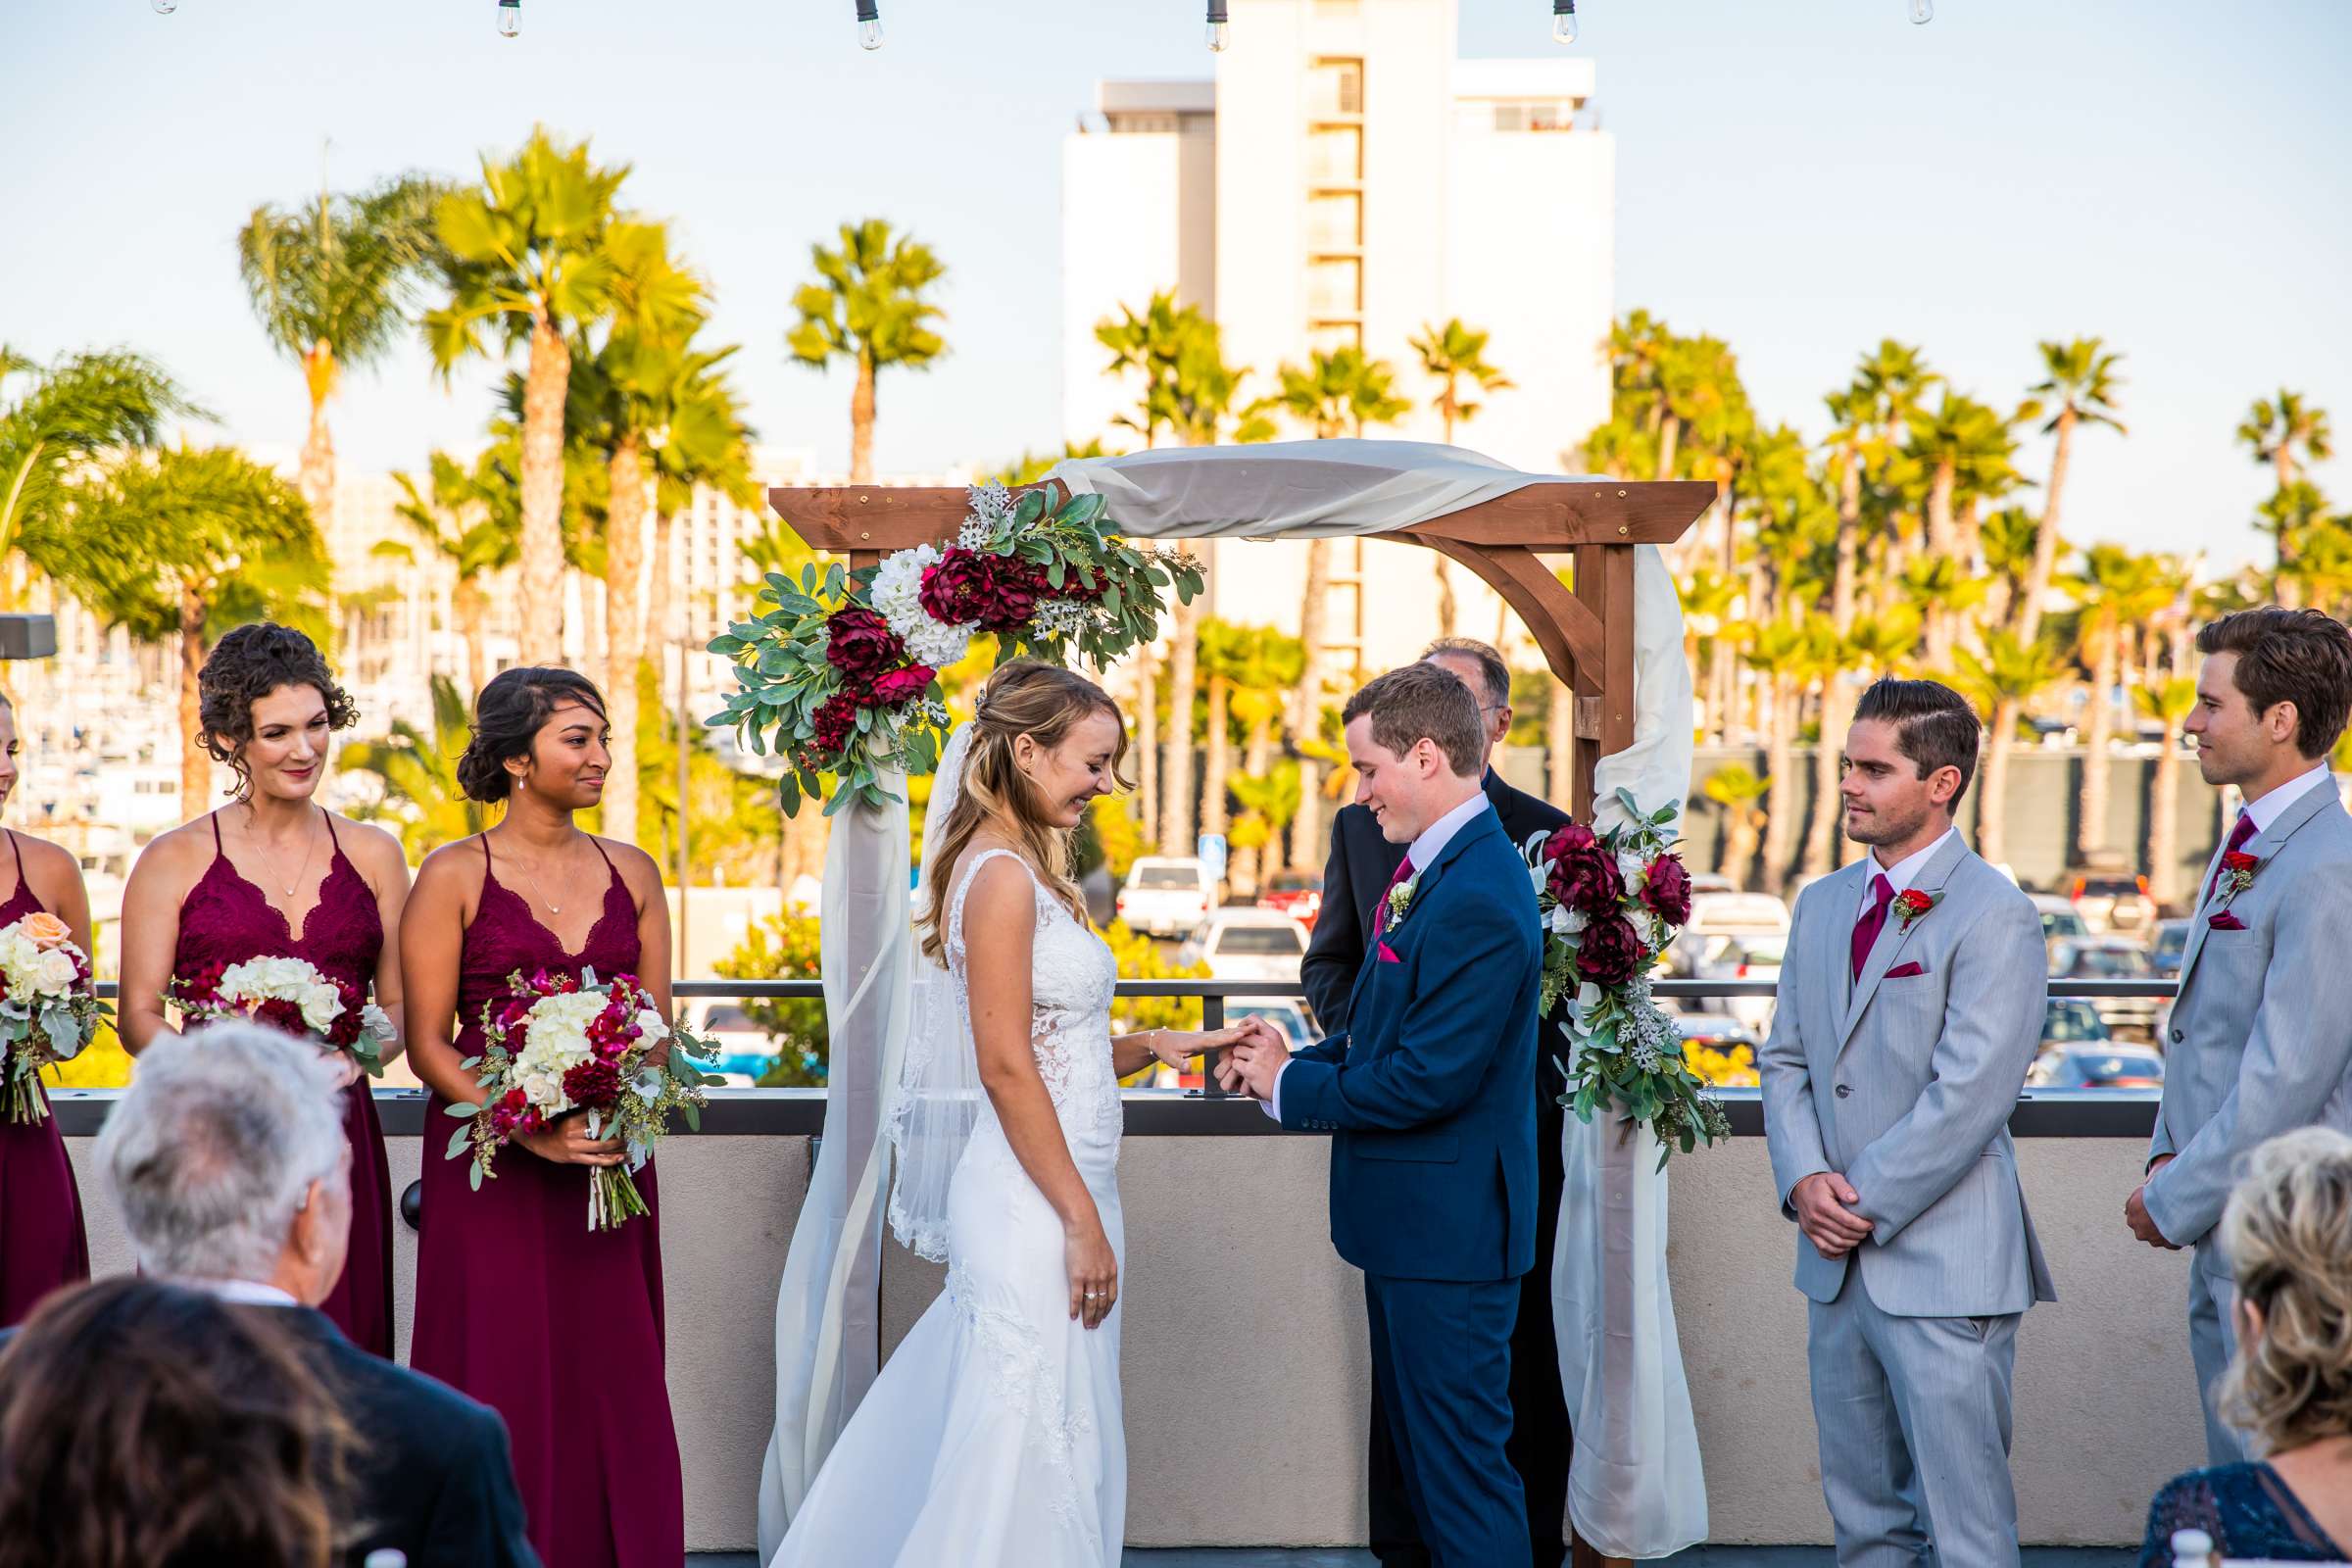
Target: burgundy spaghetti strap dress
[(226, 919), (520, 1304), (42, 1244)]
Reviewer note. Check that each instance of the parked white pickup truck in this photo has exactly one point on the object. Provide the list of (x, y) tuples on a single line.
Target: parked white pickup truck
[(1166, 895)]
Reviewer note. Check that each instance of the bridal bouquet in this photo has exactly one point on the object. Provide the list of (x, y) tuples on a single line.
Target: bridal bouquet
[(841, 676), (290, 994), (1610, 903), (560, 1044), (48, 1009)]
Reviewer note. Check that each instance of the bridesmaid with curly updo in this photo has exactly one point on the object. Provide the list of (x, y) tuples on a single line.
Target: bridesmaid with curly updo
[(556, 1327), (276, 874), (42, 1244)]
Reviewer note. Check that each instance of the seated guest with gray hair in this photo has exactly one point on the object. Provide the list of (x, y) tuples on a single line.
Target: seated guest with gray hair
[(229, 1162)]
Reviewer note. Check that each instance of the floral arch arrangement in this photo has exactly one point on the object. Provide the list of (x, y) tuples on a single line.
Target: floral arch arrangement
[(840, 677)]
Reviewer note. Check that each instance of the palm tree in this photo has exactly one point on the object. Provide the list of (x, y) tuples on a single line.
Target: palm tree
[(463, 520), (2008, 676), (2295, 516), (1264, 678), (1940, 588), (71, 414), (416, 775), (1337, 392), (2287, 432), (1958, 433), (2111, 588), (868, 306), (332, 282), (2012, 540), (2168, 703), (2079, 378), (1779, 651), (623, 398), (1449, 355), (703, 442), (186, 543), (1270, 801), (1187, 387), (1734, 790), (1224, 654), (1176, 800), (527, 260)]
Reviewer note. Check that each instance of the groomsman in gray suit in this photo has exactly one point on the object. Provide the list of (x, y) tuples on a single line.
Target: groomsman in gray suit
[(2260, 1040), (1910, 1008)]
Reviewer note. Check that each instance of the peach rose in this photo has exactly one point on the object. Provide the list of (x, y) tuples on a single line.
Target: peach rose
[(45, 930)]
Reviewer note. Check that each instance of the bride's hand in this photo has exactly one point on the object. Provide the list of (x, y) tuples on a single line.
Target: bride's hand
[(1094, 1272), (1177, 1046)]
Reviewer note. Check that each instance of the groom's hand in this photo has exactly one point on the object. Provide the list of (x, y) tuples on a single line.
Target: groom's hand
[(1256, 1064), (1824, 1213)]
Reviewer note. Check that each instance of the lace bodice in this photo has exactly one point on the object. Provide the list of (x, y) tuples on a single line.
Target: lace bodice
[(1071, 975)]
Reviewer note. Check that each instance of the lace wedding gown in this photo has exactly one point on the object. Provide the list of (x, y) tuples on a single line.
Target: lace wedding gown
[(993, 1438)]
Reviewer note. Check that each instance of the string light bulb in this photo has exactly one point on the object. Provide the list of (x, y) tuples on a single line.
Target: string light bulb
[(869, 25), (510, 19), (1923, 12), (1563, 21), (164, 8), (1219, 26)]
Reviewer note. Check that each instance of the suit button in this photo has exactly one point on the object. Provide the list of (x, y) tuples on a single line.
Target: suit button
[(1843, 1091), (2176, 1037)]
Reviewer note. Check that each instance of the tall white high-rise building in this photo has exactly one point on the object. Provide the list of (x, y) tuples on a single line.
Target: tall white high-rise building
[(1345, 180)]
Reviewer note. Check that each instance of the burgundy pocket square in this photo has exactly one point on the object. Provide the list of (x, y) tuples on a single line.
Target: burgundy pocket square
[(2225, 921), (1905, 971), (1388, 954)]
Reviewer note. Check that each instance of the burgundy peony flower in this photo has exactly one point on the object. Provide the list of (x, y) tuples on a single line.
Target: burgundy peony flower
[(860, 642), (998, 593), (1667, 890), (1584, 874), (1609, 951), (513, 1113), (836, 720), (594, 1082), (279, 1013), (896, 686)]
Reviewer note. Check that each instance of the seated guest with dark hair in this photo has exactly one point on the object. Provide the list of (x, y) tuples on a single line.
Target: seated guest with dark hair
[(142, 1422), (2287, 1233), (228, 1161)]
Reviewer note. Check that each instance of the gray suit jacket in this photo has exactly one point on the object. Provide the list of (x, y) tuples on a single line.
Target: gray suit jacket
[(1905, 1086), (2260, 1035)]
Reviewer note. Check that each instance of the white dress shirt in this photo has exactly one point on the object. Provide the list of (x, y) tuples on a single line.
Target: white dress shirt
[(1901, 875), (244, 1292), (1422, 851), (2267, 809)]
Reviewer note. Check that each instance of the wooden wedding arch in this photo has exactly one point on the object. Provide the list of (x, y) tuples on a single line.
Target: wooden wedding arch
[(1586, 634)]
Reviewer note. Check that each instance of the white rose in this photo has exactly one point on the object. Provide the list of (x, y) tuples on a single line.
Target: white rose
[(375, 1021), (544, 1090), (651, 1025), (322, 1006), (54, 972), (1631, 868)]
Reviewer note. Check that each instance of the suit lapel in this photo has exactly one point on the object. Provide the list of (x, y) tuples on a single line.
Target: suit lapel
[(2264, 846), (1895, 933)]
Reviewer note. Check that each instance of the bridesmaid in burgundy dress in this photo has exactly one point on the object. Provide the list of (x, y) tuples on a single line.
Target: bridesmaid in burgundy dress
[(275, 874), (42, 1244), (518, 1304)]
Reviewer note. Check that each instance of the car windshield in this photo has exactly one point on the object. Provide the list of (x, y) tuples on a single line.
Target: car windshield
[(2171, 940), (1164, 877), (2061, 923), (2110, 964), (1258, 942), (2110, 887), (2072, 1020), (2099, 1066)]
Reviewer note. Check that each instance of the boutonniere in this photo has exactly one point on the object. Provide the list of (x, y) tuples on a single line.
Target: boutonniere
[(1400, 899), (2237, 876), (1910, 905)]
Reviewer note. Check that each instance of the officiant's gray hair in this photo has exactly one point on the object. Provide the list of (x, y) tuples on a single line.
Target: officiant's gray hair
[(210, 1153)]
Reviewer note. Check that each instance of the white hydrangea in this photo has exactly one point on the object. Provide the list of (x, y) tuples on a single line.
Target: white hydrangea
[(555, 1034), (897, 595)]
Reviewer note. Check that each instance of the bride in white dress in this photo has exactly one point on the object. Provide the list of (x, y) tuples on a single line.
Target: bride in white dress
[(994, 1435)]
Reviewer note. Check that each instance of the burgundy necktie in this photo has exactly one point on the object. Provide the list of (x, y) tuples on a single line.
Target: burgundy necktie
[(1380, 914), (1874, 920), (2237, 840)]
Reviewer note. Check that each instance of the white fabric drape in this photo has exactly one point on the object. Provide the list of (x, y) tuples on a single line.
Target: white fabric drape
[(1621, 1362)]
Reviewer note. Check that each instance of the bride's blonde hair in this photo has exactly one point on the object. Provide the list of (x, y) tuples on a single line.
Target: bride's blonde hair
[(1044, 703)]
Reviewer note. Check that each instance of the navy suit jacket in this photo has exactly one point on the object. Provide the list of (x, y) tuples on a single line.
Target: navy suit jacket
[(1433, 1161)]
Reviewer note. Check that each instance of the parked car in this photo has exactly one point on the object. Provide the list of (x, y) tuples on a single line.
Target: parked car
[(1297, 894), (1286, 1014), (1748, 957), (1716, 919), (1166, 895), (2109, 899), (2112, 1065), (1246, 943), (2111, 958), (2072, 1021), (2166, 944), (1725, 1049), (2059, 920)]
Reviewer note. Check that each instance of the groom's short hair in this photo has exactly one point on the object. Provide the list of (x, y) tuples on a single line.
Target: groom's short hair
[(1423, 701), (1934, 727), (2302, 656)]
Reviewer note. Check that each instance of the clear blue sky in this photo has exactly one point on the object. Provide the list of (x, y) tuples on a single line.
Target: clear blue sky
[(1800, 179)]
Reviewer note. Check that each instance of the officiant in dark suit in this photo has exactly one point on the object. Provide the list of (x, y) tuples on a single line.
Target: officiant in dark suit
[(1360, 867)]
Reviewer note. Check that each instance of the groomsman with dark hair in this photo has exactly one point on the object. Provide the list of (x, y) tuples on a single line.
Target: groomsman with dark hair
[(1359, 867), (2260, 1038)]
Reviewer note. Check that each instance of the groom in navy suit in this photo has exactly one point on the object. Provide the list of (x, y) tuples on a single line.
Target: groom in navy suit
[(1433, 1160)]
